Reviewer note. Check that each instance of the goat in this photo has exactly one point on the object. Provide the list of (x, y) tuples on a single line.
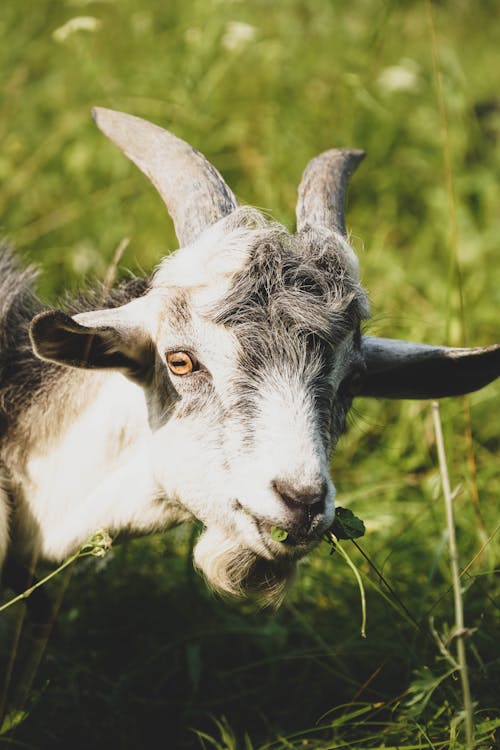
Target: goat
[(216, 389)]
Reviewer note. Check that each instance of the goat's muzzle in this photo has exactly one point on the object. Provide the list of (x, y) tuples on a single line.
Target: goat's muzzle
[(304, 503), (301, 522)]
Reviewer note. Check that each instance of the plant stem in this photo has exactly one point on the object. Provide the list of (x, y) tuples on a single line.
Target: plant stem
[(97, 546), (28, 592), (457, 592), (388, 586), (343, 553)]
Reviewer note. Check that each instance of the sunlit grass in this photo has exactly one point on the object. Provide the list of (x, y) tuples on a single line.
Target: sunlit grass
[(141, 649)]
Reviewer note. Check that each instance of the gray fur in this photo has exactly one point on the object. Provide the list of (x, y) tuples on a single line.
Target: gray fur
[(97, 431), (290, 307)]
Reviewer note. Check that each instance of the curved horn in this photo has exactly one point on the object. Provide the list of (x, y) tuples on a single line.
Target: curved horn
[(322, 190), (192, 189)]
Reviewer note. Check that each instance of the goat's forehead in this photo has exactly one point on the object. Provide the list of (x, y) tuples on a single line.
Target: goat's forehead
[(207, 267), (244, 245), (260, 288)]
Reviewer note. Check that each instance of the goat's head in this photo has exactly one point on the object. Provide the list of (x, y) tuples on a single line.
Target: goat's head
[(248, 343)]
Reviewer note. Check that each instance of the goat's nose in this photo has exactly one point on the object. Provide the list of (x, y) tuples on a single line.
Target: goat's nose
[(304, 501)]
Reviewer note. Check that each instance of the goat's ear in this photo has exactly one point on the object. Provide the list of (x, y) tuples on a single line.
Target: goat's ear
[(102, 339), (401, 369)]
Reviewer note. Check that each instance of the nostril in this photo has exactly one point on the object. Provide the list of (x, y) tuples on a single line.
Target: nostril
[(309, 497), (318, 507)]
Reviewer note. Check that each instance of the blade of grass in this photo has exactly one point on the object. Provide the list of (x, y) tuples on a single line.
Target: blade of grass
[(338, 547), (457, 592)]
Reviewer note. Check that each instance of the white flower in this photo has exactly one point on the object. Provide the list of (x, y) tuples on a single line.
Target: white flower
[(237, 35), (401, 77), (79, 23)]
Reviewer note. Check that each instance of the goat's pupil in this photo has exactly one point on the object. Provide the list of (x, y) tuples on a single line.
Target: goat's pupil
[(180, 362)]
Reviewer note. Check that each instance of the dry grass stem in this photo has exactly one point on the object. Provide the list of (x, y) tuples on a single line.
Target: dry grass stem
[(455, 574)]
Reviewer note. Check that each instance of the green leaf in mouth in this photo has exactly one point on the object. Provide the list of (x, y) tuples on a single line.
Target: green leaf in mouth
[(278, 535), (346, 525)]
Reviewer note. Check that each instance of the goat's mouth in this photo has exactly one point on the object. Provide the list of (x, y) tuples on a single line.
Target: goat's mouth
[(285, 540)]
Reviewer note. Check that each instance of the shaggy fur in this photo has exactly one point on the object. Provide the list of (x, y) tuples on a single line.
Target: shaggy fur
[(99, 430), (286, 303)]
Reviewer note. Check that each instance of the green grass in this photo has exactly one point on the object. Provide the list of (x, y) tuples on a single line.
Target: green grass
[(141, 649)]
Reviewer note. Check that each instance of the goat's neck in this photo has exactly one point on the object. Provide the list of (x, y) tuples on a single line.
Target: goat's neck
[(72, 481)]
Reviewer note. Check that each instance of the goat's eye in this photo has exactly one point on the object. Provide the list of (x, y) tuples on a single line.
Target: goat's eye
[(181, 363)]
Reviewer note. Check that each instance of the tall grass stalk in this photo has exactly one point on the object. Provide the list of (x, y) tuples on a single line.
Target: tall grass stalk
[(415, 86), (460, 631), (455, 267)]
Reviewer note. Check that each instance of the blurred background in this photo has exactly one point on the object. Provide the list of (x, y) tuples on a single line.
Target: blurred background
[(142, 654)]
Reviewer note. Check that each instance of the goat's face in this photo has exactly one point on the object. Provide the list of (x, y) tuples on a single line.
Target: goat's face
[(245, 345), (257, 341), (248, 346)]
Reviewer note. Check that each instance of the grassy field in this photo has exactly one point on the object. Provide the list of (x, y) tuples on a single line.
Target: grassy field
[(141, 650)]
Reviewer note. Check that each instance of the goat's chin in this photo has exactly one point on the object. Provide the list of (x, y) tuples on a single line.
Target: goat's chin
[(233, 569)]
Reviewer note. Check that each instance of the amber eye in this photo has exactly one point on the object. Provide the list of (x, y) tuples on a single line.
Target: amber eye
[(180, 363)]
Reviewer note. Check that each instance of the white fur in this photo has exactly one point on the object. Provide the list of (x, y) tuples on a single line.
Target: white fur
[(112, 467), (350, 258), (287, 446), (218, 254), (80, 457)]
